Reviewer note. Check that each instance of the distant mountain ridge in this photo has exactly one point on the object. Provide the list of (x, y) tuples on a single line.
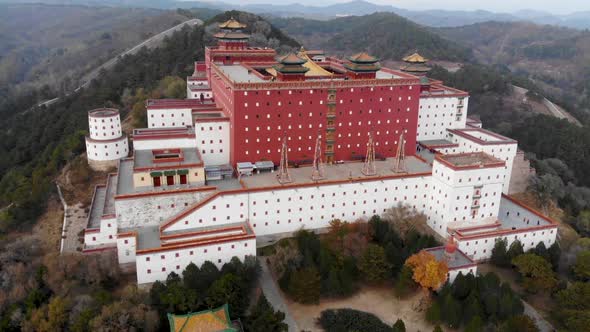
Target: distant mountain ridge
[(385, 35), (433, 18)]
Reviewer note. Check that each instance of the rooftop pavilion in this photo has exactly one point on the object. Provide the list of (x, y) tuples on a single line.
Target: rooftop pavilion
[(348, 171), (332, 69), (469, 160), (166, 158)]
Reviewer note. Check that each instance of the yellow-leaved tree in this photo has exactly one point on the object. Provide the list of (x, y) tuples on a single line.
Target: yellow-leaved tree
[(428, 272)]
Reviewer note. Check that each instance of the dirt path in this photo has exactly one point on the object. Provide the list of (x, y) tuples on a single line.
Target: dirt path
[(379, 301)]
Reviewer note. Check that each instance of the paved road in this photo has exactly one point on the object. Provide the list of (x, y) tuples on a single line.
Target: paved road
[(149, 43), (555, 110), (272, 293)]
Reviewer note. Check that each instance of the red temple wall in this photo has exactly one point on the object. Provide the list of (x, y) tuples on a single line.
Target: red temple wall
[(263, 119)]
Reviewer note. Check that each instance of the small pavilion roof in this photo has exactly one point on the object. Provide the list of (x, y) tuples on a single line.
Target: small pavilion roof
[(213, 320), (415, 58), (363, 57), (291, 59), (232, 24)]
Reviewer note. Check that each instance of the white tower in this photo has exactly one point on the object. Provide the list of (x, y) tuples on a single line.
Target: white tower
[(106, 143)]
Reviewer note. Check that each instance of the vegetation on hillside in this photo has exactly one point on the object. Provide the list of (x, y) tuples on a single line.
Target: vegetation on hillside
[(37, 143), (385, 35), (556, 58), (350, 254), (47, 46)]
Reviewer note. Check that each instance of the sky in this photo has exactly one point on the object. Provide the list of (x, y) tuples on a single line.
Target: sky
[(552, 6), (504, 6)]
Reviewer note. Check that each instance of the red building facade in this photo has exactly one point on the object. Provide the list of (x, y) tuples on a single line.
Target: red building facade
[(342, 107)]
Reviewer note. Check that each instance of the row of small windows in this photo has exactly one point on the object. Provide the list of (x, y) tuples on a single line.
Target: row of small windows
[(312, 91), (300, 103), (173, 124), (310, 114), (171, 115), (102, 120), (310, 126)]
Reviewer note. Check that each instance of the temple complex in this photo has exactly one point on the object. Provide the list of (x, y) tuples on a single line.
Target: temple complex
[(265, 145)]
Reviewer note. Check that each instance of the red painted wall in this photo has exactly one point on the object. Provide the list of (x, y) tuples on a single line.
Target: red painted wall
[(377, 106)]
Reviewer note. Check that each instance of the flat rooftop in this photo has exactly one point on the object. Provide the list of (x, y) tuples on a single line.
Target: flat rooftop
[(241, 74), (459, 258), (336, 172), (522, 218), (177, 103), (481, 136), (469, 160), (125, 181), (149, 237), (148, 158), (162, 133)]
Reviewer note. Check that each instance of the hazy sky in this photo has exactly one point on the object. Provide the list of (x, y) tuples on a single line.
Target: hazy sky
[(554, 6), (506, 6)]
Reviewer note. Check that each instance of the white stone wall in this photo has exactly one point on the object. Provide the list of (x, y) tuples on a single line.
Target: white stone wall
[(212, 139), (111, 150), (455, 194), (196, 94), (157, 265), (153, 209), (437, 114), (529, 235), (288, 210), (126, 247), (169, 118), (155, 144), (107, 233), (104, 128), (506, 152)]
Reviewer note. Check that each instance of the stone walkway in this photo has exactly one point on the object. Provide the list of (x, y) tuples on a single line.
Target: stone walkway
[(273, 294), (542, 324), (75, 218)]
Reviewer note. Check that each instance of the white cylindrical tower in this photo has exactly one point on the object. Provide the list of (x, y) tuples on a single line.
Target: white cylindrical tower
[(106, 143)]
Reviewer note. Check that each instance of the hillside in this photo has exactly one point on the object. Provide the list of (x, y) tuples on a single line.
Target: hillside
[(556, 58), (50, 45), (385, 35), (36, 145)]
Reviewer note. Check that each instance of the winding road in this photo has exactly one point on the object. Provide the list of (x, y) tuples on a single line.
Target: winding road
[(149, 43)]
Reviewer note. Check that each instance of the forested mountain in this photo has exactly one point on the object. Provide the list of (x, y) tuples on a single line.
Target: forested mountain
[(556, 58), (311, 9), (386, 35), (51, 45), (35, 145)]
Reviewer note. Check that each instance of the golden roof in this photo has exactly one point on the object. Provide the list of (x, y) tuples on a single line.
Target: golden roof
[(314, 68), (363, 57), (232, 24), (415, 58), (214, 320)]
